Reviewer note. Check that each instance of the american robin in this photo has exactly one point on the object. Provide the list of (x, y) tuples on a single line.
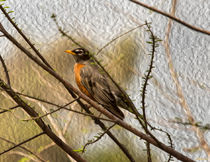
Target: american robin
[(96, 85)]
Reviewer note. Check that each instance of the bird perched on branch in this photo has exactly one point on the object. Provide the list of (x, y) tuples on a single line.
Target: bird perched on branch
[(96, 85)]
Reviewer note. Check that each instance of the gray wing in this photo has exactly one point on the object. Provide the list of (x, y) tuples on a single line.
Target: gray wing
[(98, 87)]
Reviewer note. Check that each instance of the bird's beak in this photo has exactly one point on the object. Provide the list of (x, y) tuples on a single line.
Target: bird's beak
[(70, 52)]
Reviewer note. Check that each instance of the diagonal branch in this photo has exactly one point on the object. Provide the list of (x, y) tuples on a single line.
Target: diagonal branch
[(5, 70), (17, 145), (24, 37), (9, 109), (24, 148), (172, 17), (46, 129), (59, 108), (97, 121)]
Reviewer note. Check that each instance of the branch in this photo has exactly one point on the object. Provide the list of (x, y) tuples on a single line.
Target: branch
[(40, 122), (59, 108), (97, 138), (197, 124), (17, 145), (146, 79), (110, 42), (97, 121), (24, 37), (98, 107), (131, 105), (62, 32), (9, 109), (5, 69), (24, 148), (172, 17)]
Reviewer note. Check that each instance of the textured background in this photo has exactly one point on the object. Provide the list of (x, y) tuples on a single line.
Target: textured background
[(94, 23)]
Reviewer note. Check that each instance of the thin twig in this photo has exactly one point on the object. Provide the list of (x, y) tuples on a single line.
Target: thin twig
[(90, 115), (5, 70), (110, 42), (24, 148), (17, 145), (172, 17), (204, 127), (97, 138), (9, 109), (62, 32), (51, 112), (59, 108)]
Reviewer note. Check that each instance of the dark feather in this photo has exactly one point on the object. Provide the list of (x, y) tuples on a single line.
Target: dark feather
[(98, 87)]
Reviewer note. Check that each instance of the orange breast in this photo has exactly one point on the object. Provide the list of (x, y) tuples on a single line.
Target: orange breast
[(77, 68)]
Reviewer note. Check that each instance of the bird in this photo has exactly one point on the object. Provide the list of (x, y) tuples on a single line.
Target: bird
[(97, 85)]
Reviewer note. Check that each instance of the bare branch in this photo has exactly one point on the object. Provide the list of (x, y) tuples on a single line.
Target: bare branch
[(59, 108), (97, 121), (62, 32), (172, 17), (97, 138), (9, 109), (17, 145), (5, 70), (40, 122), (71, 89), (110, 42), (24, 148), (24, 37)]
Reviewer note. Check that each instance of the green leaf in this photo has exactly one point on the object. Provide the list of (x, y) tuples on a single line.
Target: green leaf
[(10, 12), (24, 159), (149, 42), (79, 150)]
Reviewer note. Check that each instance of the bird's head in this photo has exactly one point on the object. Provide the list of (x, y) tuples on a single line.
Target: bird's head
[(79, 54)]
